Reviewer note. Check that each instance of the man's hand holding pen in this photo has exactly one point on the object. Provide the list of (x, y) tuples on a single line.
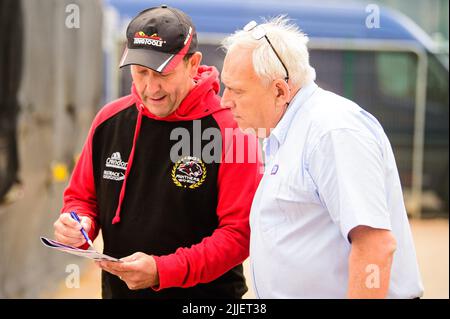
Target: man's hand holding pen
[(68, 230)]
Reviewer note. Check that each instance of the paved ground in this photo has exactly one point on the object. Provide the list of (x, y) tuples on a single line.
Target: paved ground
[(432, 244), (431, 240)]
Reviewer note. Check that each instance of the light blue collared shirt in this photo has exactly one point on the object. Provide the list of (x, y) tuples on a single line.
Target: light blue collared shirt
[(329, 168), (278, 134)]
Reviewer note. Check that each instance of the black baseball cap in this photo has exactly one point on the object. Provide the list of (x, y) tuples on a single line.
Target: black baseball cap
[(158, 38)]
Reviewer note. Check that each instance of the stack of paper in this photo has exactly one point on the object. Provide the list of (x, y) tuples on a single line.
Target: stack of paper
[(90, 253)]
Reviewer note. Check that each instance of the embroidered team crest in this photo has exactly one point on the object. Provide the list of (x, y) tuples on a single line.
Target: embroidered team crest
[(189, 172)]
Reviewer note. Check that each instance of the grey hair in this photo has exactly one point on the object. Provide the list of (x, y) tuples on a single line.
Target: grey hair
[(290, 44)]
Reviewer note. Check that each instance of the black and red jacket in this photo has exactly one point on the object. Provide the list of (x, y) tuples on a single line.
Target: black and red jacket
[(191, 215)]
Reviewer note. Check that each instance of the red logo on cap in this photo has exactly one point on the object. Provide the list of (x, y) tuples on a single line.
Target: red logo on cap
[(140, 38), (142, 35)]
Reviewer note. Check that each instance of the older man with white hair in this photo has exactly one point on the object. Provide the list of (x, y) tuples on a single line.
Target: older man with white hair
[(328, 219)]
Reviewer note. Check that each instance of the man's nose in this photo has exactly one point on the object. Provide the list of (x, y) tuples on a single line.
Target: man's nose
[(225, 101), (153, 84)]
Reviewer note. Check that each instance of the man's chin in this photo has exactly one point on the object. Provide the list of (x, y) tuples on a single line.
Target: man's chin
[(159, 111), (162, 115), (258, 132), (247, 129)]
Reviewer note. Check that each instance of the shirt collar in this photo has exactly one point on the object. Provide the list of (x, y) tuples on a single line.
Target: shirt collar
[(280, 131)]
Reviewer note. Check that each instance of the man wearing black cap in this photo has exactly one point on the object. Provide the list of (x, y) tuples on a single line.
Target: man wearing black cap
[(180, 226)]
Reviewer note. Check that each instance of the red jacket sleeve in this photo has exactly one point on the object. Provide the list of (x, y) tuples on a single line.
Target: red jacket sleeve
[(228, 246)]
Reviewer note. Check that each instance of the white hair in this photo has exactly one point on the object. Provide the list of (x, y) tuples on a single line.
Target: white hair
[(290, 44)]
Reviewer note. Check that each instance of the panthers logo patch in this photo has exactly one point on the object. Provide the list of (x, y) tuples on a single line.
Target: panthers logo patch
[(189, 172)]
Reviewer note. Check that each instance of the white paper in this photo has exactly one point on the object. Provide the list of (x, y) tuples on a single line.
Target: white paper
[(90, 253)]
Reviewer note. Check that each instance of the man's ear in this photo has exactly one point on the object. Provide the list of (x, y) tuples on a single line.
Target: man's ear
[(194, 63), (282, 92)]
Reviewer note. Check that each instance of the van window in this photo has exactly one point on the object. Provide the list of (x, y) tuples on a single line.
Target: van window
[(437, 87), (397, 75), (436, 157)]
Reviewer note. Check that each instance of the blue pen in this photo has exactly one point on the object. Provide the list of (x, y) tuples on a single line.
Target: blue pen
[(75, 216)]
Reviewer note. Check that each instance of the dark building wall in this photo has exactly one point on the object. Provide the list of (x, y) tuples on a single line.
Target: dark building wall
[(60, 91)]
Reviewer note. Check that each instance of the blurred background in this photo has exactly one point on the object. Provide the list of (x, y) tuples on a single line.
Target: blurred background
[(58, 67)]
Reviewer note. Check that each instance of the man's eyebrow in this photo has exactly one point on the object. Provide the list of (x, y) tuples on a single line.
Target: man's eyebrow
[(228, 86), (166, 73)]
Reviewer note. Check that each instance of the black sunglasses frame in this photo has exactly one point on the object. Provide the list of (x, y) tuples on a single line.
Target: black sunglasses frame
[(251, 26)]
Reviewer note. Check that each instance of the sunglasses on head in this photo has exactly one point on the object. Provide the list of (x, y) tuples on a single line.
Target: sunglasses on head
[(258, 32)]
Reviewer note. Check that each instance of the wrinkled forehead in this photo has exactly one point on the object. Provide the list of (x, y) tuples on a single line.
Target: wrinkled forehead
[(238, 65)]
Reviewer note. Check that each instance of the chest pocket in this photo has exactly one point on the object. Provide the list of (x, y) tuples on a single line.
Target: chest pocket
[(296, 195)]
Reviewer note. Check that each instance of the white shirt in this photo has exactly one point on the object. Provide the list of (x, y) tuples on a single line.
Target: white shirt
[(329, 168)]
